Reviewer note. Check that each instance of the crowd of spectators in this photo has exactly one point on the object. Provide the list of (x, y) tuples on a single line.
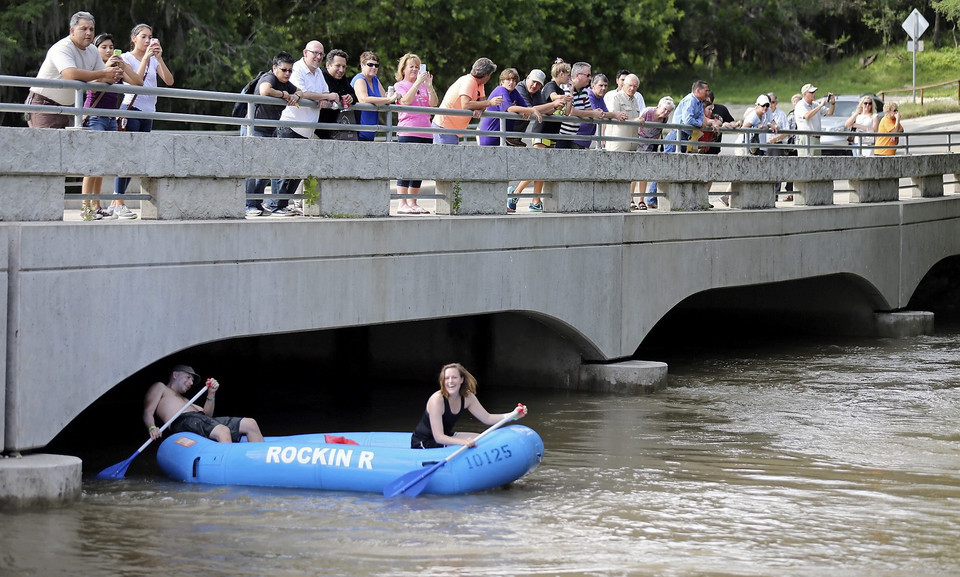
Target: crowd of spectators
[(574, 92)]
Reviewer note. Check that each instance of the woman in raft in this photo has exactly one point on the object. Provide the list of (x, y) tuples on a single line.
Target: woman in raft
[(458, 391)]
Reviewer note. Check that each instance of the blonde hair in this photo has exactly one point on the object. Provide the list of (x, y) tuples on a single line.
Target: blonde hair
[(559, 68), (402, 63), (468, 380), (890, 107)]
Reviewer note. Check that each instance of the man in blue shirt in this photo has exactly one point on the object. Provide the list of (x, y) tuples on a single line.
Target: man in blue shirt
[(690, 113)]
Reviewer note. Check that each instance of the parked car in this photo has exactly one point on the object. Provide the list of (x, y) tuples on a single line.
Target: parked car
[(835, 133)]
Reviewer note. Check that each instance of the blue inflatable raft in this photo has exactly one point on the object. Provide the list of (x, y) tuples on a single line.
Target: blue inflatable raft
[(333, 462)]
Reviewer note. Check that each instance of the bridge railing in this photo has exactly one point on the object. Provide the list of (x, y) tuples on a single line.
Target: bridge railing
[(390, 127), (353, 178)]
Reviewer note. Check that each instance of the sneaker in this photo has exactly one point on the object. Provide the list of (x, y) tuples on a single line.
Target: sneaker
[(266, 212), (511, 202), (536, 207), (285, 211), (124, 213), (253, 211), (106, 215), (87, 213)]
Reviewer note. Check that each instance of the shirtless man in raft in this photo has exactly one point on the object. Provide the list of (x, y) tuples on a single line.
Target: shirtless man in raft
[(164, 400)]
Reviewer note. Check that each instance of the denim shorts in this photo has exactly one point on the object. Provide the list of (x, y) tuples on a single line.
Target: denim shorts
[(104, 123)]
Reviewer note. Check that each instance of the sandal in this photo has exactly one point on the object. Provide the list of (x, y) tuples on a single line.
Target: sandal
[(633, 207), (417, 209), (641, 206), (405, 210)]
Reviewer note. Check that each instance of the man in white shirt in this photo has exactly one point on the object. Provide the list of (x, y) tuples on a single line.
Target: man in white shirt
[(637, 97), (808, 113), (308, 78), (71, 58)]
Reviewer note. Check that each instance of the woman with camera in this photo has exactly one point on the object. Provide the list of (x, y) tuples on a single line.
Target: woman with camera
[(146, 57)]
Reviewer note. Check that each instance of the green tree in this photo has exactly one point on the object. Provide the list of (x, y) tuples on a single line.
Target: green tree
[(885, 17)]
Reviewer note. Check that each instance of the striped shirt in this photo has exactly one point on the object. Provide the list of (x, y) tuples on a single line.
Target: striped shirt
[(581, 101)]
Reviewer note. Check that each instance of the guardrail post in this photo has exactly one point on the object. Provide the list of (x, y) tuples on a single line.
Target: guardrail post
[(349, 197), (683, 196), (78, 102), (753, 195), (192, 198), (930, 186), (472, 197), (813, 193), (879, 190), (31, 198)]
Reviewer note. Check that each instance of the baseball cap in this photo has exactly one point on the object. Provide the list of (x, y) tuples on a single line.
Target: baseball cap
[(186, 369), (763, 100), (808, 88), (538, 75)]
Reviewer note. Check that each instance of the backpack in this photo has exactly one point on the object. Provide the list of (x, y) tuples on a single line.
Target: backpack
[(240, 108)]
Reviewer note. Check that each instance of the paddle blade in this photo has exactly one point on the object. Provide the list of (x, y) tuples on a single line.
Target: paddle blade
[(119, 470), (412, 483)]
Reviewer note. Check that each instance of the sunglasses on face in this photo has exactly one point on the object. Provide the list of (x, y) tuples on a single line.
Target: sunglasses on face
[(373, 64), (287, 70)]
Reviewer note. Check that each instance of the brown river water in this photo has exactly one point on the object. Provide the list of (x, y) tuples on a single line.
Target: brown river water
[(828, 457)]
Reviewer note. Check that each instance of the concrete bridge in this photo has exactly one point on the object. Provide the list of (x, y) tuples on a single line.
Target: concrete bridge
[(588, 283)]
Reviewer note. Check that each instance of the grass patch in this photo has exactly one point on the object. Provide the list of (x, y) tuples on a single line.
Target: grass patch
[(889, 70)]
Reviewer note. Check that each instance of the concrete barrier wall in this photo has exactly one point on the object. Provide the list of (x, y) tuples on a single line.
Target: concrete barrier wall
[(158, 157)]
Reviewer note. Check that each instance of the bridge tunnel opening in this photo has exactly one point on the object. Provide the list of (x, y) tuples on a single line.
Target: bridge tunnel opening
[(939, 292), (757, 315), (375, 377)]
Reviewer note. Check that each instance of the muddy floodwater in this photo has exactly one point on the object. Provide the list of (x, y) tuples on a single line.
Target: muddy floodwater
[(835, 457)]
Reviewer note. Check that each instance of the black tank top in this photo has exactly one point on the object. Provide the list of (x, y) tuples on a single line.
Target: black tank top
[(423, 432)]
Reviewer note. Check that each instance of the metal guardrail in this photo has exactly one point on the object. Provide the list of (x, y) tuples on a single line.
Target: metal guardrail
[(390, 127)]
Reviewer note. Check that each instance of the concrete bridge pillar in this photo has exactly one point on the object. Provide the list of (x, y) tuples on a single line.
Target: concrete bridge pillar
[(813, 193), (903, 324), (39, 481), (927, 186), (684, 196), (31, 198), (628, 377), (880, 190), (753, 195), (471, 197), (207, 198), (355, 197)]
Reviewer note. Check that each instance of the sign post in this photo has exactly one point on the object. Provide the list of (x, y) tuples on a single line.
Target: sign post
[(915, 25)]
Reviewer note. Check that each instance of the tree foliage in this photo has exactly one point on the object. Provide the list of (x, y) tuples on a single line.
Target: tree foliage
[(221, 45)]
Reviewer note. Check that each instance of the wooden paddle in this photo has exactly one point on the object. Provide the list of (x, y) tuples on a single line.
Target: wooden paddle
[(412, 483), (120, 469)]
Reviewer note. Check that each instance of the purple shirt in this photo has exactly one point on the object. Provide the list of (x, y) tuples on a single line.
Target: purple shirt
[(510, 98), (589, 129), (109, 100)]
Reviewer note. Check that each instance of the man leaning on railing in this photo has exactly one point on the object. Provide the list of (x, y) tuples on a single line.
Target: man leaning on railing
[(690, 113), (71, 58)]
